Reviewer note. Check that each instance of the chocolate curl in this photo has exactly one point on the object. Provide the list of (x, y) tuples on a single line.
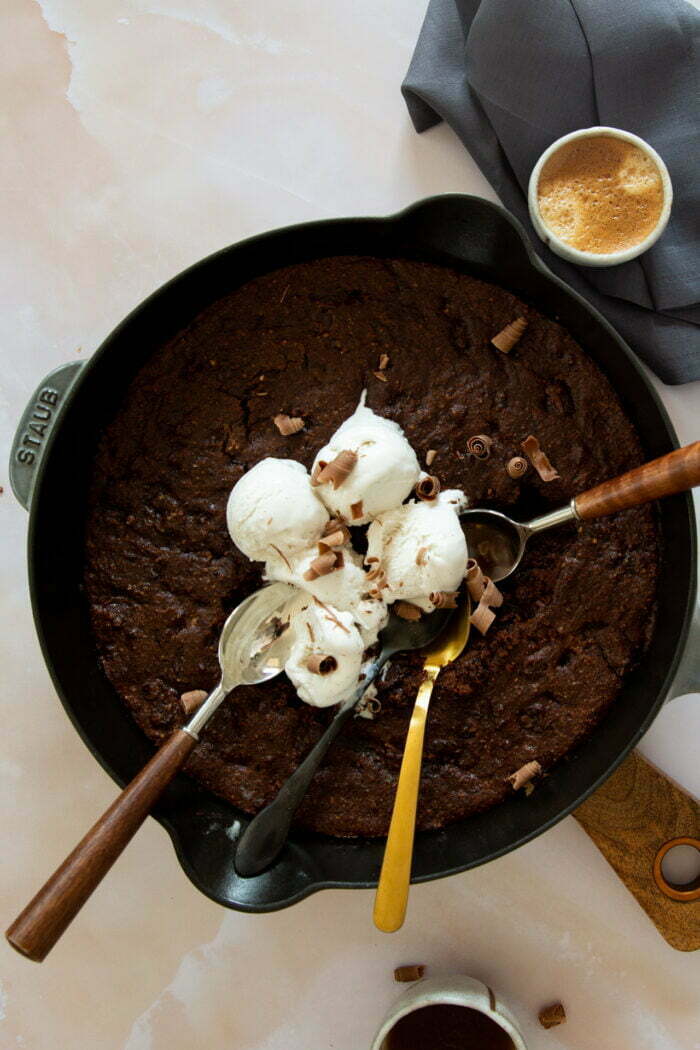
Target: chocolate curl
[(517, 466), (383, 362), (336, 539), (356, 510), (551, 1016), (288, 425), (405, 974), (334, 525), (539, 460), (324, 564), (479, 446), (422, 556), (192, 701), (475, 580), (482, 617), (375, 573), (430, 457), (381, 377), (408, 611), (444, 599), (491, 594), (524, 775), (510, 335), (322, 665), (428, 488), (336, 471)]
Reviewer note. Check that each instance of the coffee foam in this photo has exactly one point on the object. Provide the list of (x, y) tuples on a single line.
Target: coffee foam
[(600, 194)]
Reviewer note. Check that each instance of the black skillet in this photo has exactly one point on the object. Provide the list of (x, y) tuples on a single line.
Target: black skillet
[(50, 467)]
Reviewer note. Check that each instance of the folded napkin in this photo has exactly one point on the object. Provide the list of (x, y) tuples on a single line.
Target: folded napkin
[(511, 76)]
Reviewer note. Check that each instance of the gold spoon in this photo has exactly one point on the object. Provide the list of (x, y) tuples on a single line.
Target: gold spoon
[(394, 880)]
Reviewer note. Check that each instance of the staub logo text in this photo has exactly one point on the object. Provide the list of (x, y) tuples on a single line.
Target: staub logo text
[(38, 425)]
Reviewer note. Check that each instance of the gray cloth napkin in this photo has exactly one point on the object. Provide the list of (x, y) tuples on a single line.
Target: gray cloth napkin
[(511, 76)]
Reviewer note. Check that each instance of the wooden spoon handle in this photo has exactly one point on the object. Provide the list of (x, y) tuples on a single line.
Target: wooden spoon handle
[(45, 918), (395, 878), (633, 818), (675, 472)]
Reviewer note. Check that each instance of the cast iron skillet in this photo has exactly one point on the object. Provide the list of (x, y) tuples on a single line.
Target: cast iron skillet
[(51, 462)]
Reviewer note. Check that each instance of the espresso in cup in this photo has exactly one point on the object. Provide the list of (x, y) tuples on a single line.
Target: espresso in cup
[(447, 1027), (600, 194)]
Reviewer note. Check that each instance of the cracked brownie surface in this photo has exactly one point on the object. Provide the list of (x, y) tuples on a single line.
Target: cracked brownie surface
[(162, 574)]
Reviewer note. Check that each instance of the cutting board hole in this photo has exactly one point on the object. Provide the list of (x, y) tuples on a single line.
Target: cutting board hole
[(677, 869)]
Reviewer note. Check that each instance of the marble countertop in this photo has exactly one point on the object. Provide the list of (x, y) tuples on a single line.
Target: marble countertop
[(140, 135)]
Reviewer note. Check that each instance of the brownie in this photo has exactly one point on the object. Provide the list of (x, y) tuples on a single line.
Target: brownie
[(162, 573)]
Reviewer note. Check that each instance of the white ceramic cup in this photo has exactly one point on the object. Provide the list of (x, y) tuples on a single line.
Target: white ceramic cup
[(574, 255), (453, 991)]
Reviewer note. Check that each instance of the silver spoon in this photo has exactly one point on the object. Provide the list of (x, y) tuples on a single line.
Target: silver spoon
[(498, 543), (263, 839), (248, 654)]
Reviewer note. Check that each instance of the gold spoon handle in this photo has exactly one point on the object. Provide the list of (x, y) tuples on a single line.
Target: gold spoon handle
[(394, 880)]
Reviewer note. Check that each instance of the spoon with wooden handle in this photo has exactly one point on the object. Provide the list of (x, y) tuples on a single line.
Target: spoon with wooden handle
[(247, 654), (395, 878), (498, 543)]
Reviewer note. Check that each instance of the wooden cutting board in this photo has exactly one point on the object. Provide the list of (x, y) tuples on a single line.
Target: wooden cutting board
[(633, 819)]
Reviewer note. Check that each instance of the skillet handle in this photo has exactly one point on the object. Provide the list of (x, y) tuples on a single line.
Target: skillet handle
[(46, 917), (675, 472), (35, 427), (634, 818)]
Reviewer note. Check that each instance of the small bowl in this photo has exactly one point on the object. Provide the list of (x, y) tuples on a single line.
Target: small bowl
[(574, 255), (457, 990)]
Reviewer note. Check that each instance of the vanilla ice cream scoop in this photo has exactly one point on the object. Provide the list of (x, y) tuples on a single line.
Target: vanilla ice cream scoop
[(385, 471), (274, 508), (345, 588), (326, 656), (420, 548)]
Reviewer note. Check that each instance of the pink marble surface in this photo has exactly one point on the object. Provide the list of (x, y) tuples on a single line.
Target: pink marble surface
[(138, 136)]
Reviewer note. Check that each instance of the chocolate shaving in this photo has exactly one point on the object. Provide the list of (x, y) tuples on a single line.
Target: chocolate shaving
[(408, 611), (288, 425), (517, 466), (371, 561), (334, 525), (551, 1016), (444, 599), (524, 775), (509, 336), (337, 470), (284, 295), (491, 594), (539, 460), (324, 564), (405, 974), (430, 457), (317, 471), (428, 488), (422, 556), (330, 615), (381, 377), (383, 362), (356, 510), (475, 580), (479, 446), (482, 617), (285, 560), (336, 539), (192, 701), (310, 629), (322, 665), (375, 573)]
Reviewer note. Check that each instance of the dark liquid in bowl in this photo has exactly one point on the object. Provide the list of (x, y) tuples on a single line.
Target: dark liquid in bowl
[(446, 1027)]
